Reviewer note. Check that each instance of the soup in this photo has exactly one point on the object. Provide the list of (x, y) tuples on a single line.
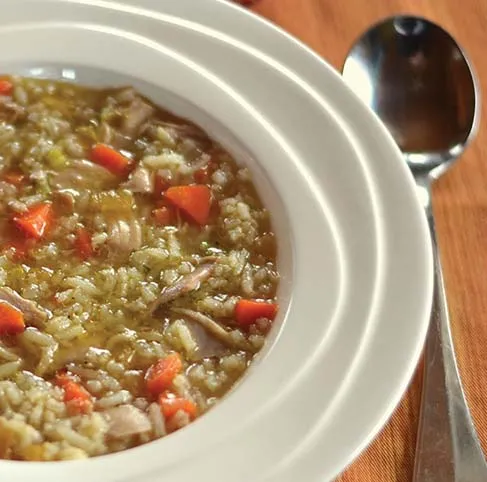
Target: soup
[(137, 271)]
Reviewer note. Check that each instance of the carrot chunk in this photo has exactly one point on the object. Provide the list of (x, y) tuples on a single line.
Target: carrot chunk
[(193, 200), (110, 159), (19, 247), (159, 377), (16, 178), (11, 319), (6, 87), (171, 404), (248, 312), (163, 216), (77, 399), (35, 221), (83, 244)]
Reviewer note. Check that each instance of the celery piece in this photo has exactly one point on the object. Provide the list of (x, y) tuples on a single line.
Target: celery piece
[(56, 159)]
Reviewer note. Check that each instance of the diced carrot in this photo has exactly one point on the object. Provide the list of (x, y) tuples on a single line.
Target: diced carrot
[(11, 319), (83, 244), (77, 399), (163, 216), (16, 243), (110, 159), (16, 178), (248, 312), (35, 221), (20, 248), (160, 186), (6, 87), (193, 200), (171, 404), (159, 377)]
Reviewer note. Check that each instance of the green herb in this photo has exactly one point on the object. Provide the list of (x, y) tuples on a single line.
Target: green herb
[(43, 186), (56, 159)]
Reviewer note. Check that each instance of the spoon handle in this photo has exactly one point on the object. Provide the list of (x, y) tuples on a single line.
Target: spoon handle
[(448, 449)]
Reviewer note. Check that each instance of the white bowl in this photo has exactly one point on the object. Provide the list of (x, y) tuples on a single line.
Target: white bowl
[(354, 250)]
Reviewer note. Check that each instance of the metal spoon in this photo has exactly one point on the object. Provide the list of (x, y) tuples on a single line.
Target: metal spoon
[(419, 82)]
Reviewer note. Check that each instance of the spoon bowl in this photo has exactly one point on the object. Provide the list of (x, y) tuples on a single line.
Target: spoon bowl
[(419, 82), (417, 79)]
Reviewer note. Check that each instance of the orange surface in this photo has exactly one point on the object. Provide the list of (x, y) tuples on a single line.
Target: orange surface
[(330, 26)]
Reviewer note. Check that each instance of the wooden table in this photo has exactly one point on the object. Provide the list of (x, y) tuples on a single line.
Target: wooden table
[(329, 27)]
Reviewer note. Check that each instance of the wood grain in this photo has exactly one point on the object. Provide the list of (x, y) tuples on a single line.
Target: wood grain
[(329, 27)]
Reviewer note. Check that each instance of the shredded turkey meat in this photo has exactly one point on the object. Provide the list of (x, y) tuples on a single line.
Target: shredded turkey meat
[(125, 236), (185, 284), (135, 116), (82, 174), (33, 314), (140, 181), (213, 328), (127, 420)]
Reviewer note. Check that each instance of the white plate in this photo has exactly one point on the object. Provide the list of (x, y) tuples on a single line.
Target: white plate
[(354, 248)]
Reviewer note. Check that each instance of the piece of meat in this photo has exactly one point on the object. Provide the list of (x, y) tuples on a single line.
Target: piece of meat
[(185, 131), (124, 236), (10, 111), (134, 116), (208, 346), (125, 95), (185, 284), (81, 174), (33, 314), (105, 133), (213, 328), (65, 200), (125, 421), (140, 181), (108, 135)]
